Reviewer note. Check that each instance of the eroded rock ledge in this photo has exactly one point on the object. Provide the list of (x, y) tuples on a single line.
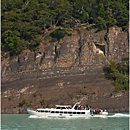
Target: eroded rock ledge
[(66, 71)]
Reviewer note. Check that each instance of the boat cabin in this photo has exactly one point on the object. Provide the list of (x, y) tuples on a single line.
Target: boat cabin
[(61, 107)]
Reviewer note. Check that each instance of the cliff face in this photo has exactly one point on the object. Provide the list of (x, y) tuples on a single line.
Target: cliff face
[(65, 71)]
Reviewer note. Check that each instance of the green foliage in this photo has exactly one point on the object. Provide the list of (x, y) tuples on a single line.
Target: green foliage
[(48, 37), (30, 104), (69, 34), (100, 24), (90, 27), (85, 16), (113, 66), (70, 95), (42, 102), (120, 13), (11, 40), (2, 46), (105, 37), (100, 12), (78, 97), (58, 33), (23, 102), (85, 86), (125, 59), (110, 21), (23, 20), (34, 43), (6, 55), (120, 75)]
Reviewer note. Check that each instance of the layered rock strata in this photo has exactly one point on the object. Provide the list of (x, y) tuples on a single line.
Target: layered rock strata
[(65, 71)]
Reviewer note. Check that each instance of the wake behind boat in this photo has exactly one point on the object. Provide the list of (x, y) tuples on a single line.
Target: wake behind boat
[(65, 111)]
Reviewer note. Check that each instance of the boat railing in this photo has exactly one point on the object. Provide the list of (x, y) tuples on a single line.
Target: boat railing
[(75, 105)]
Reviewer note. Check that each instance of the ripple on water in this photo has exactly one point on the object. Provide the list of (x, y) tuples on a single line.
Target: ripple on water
[(115, 121)]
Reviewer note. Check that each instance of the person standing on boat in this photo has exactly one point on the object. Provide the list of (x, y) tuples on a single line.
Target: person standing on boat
[(86, 107), (80, 107), (76, 107), (94, 111), (91, 111), (98, 111)]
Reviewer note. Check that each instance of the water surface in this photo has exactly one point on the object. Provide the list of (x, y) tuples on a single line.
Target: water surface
[(114, 121)]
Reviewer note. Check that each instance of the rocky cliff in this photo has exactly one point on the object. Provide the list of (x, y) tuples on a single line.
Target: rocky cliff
[(65, 71)]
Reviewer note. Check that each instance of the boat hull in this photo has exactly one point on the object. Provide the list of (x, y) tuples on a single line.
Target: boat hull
[(58, 115), (104, 113), (31, 112)]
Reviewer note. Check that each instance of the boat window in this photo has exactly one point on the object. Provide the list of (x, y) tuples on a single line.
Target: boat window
[(57, 111), (65, 112), (42, 110), (58, 108), (61, 111), (82, 112), (69, 112), (74, 112), (52, 112), (63, 108), (78, 112)]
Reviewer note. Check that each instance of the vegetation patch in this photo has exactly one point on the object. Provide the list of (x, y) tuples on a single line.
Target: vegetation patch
[(105, 37), (93, 93), (48, 37), (58, 34), (42, 102), (69, 34), (119, 74), (78, 97), (85, 86), (23, 103), (70, 95), (24, 20), (30, 104)]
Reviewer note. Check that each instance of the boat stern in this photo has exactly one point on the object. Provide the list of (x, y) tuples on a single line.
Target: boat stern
[(105, 113)]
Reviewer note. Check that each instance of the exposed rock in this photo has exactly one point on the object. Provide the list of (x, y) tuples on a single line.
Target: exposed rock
[(64, 72)]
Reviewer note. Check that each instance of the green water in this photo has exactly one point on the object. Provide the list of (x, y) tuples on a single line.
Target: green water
[(24, 122)]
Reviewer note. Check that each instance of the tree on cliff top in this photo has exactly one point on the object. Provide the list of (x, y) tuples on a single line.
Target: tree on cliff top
[(30, 17)]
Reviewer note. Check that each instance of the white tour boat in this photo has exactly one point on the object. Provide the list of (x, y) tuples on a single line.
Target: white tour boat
[(64, 111)]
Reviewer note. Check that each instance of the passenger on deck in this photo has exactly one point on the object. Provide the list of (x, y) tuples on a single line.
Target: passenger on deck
[(76, 107), (80, 107)]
